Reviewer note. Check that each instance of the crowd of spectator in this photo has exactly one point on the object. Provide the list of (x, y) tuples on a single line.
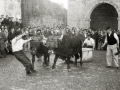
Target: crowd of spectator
[(8, 27), (98, 36)]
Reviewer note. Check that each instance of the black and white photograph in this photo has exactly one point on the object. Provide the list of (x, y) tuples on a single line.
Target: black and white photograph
[(59, 44)]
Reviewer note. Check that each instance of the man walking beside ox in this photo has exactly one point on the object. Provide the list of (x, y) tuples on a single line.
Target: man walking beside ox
[(113, 43)]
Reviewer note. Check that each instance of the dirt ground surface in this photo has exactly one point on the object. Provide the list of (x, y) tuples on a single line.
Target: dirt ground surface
[(91, 76)]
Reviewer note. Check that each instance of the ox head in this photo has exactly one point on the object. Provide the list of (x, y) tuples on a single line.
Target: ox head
[(36, 50)]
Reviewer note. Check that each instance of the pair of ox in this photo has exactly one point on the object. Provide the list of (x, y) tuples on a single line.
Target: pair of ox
[(68, 47)]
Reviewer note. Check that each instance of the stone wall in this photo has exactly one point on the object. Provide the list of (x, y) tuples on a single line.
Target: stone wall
[(11, 8), (79, 11), (2, 7), (43, 13)]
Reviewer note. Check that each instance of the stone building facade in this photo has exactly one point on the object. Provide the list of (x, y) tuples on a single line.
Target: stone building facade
[(11, 8), (80, 11), (43, 13)]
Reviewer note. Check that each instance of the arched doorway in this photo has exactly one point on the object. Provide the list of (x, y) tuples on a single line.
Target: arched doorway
[(103, 16)]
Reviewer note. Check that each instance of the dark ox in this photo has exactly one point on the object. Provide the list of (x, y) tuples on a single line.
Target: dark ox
[(69, 46), (38, 50)]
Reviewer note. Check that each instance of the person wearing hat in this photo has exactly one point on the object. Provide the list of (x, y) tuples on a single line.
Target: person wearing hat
[(20, 23), (17, 48), (11, 35), (96, 37), (113, 43), (89, 42), (11, 24), (6, 21), (2, 16), (85, 33), (16, 23)]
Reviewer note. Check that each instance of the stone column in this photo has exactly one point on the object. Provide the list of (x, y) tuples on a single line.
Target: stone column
[(118, 23)]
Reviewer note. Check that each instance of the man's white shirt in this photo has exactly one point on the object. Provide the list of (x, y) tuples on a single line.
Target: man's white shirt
[(89, 42), (17, 45)]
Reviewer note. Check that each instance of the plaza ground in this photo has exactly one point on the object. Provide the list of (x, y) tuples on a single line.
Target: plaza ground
[(91, 76)]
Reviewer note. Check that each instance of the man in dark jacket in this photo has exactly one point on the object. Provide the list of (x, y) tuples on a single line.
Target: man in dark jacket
[(11, 35), (20, 24), (16, 23), (2, 44), (96, 36), (11, 23), (6, 21), (2, 18)]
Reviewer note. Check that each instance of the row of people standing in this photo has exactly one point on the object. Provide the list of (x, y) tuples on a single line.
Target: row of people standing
[(11, 22), (100, 38), (5, 40), (7, 29), (97, 36)]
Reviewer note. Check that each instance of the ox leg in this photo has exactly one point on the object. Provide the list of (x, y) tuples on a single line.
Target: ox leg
[(55, 60), (48, 58), (33, 60), (75, 61), (68, 63), (76, 57), (45, 60), (81, 58), (33, 53)]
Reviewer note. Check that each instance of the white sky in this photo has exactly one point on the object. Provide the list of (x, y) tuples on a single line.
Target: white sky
[(63, 2)]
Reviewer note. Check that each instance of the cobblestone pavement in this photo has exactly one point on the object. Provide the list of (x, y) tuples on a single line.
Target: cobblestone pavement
[(91, 76)]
